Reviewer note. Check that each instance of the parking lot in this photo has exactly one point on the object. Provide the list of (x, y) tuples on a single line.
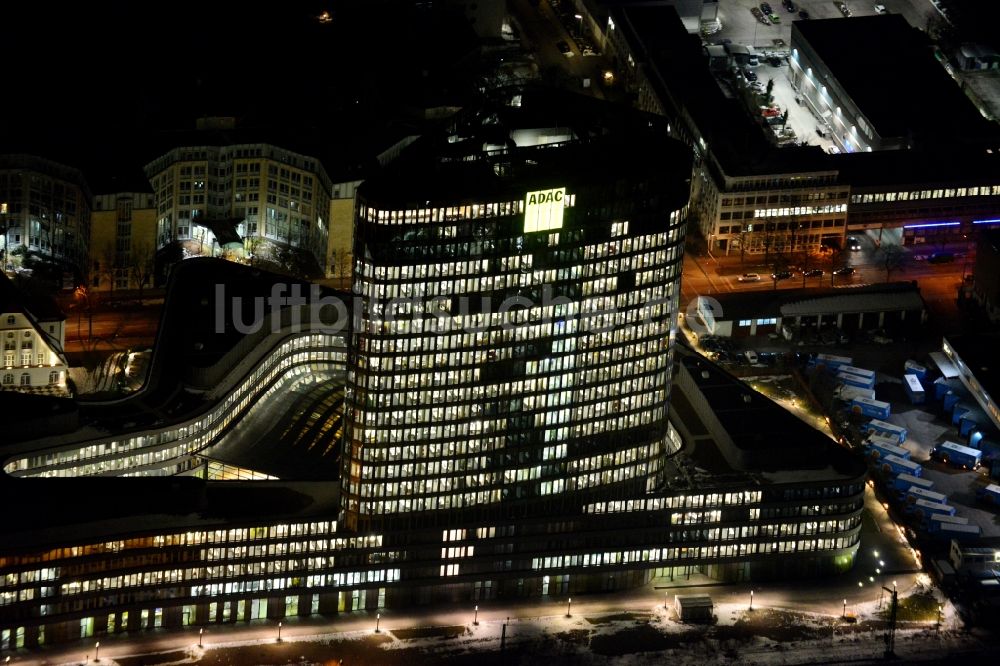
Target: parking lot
[(739, 26)]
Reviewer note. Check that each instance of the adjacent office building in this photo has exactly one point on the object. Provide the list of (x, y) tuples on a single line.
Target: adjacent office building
[(259, 194), (44, 209), (931, 169)]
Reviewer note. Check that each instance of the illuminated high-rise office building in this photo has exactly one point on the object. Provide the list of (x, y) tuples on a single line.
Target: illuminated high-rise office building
[(518, 277)]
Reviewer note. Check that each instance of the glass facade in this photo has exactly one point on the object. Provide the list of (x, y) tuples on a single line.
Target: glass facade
[(498, 358)]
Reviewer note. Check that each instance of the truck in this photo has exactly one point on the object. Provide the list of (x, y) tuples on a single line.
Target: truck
[(902, 483), (861, 372), (874, 408), (857, 381), (885, 428), (914, 389), (989, 494), (914, 494), (896, 465), (829, 361), (960, 533), (971, 421), (878, 446), (924, 509), (957, 455), (914, 368), (848, 392), (960, 409), (936, 520)]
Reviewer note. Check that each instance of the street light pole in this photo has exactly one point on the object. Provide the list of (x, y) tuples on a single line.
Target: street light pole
[(845, 609), (476, 620), (279, 632), (378, 620), (97, 651), (201, 633), (751, 599), (569, 606)]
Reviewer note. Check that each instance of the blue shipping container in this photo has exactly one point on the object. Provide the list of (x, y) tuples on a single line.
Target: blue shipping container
[(914, 389), (885, 428), (859, 381), (873, 408), (903, 483), (914, 368), (896, 465), (958, 455)]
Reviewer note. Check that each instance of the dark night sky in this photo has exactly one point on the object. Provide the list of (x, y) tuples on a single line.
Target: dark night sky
[(93, 83)]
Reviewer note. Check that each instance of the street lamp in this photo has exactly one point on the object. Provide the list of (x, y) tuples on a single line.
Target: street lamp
[(378, 620), (666, 595), (751, 599), (97, 651), (201, 632), (279, 632), (845, 609), (569, 606), (579, 28), (476, 620)]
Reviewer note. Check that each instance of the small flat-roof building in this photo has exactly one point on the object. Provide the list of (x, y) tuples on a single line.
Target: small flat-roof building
[(885, 91), (975, 357), (693, 607), (860, 308)]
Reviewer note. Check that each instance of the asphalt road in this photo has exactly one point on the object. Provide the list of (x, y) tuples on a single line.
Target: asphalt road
[(111, 329)]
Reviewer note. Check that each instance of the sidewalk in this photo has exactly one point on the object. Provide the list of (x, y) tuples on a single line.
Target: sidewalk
[(823, 597)]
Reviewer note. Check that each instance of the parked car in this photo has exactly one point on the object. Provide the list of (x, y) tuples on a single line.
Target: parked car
[(751, 356), (749, 277), (880, 9), (803, 14), (774, 18), (781, 275), (846, 270), (789, 5), (941, 258), (564, 49), (813, 272), (749, 74), (765, 7), (759, 15)]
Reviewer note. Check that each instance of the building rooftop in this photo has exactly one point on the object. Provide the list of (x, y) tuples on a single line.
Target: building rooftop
[(104, 508), (769, 442), (890, 71), (980, 354), (813, 301), (683, 80), (38, 305), (504, 146)]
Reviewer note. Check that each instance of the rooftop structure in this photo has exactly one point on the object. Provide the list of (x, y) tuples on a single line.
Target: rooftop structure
[(975, 359), (889, 81)]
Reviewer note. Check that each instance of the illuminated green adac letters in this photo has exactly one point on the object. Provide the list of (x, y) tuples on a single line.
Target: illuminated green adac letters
[(544, 209)]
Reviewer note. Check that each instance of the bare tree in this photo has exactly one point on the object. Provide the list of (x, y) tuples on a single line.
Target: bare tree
[(340, 263), (892, 259), (106, 265), (142, 264), (251, 246)]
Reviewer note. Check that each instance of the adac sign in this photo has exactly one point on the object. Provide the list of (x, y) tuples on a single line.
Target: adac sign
[(544, 209)]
